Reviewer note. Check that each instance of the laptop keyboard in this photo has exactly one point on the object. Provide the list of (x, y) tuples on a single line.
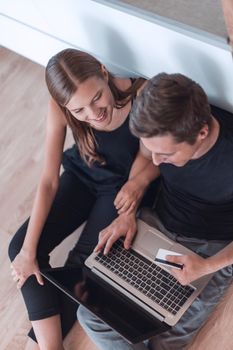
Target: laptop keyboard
[(147, 277)]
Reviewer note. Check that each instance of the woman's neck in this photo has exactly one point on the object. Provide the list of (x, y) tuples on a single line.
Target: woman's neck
[(120, 114)]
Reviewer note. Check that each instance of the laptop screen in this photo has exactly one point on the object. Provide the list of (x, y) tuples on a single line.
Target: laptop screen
[(117, 310)]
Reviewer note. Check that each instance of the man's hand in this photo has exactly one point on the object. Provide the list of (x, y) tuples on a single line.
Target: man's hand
[(124, 225), (194, 267), (129, 196)]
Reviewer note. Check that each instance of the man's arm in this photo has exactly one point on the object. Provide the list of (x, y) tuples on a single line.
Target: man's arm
[(142, 173), (222, 259), (195, 266)]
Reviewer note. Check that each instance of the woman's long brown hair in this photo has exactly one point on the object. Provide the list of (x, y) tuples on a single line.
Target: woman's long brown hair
[(64, 72)]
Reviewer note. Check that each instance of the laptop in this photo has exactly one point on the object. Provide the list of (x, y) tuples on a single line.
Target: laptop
[(85, 288), (137, 274), (128, 289)]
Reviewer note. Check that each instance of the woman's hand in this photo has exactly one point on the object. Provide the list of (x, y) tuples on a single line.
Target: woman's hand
[(124, 225), (129, 196), (23, 266), (194, 267)]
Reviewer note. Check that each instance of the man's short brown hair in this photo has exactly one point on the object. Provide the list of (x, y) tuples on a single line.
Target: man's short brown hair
[(171, 104)]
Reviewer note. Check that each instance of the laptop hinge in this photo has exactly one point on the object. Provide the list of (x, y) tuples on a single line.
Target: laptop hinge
[(127, 294)]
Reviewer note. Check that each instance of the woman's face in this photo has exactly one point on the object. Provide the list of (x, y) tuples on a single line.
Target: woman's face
[(93, 103)]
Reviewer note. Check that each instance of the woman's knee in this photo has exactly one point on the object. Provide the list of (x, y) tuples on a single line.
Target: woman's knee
[(17, 241)]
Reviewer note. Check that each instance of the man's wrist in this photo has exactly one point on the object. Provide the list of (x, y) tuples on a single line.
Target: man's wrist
[(144, 181), (132, 213), (214, 263)]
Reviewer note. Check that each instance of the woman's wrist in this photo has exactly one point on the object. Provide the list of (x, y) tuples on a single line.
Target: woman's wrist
[(28, 252)]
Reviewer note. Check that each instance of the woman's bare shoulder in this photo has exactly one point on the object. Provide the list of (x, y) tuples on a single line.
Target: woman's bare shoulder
[(141, 87), (122, 83), (55, 113)]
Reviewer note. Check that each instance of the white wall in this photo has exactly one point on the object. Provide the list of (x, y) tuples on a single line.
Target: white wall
[(127, 41)]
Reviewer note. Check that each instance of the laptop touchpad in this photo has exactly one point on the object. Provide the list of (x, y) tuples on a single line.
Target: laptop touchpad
[(149, 243)]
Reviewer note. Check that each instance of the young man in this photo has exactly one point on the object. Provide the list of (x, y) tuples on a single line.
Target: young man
[(192, 145)]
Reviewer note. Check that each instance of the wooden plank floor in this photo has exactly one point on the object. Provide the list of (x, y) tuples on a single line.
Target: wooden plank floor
[(23, 102)]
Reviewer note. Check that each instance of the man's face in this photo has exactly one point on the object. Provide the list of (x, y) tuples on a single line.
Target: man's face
[(165, 149)]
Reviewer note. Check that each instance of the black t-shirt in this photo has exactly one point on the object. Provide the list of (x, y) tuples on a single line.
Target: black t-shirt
[(119, 149), (197, 199)]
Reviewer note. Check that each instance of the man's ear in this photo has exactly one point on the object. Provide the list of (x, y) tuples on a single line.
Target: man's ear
[(105, 72), (204, 132)]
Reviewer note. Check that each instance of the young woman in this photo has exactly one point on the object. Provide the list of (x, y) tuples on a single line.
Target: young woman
[(104, 175)]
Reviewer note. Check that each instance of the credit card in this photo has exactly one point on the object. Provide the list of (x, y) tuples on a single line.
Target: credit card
[(161, 258)]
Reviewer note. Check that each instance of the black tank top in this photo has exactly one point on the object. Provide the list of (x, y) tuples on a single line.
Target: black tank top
[(118, 147), (197, 199)]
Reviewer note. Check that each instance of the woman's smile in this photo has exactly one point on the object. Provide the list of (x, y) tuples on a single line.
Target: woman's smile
[(101, 117)]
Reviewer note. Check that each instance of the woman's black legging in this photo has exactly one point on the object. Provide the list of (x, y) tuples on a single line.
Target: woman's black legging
[(73, 205)]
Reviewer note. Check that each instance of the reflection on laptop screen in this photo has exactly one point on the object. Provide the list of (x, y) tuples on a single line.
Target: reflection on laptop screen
[(132, 322)]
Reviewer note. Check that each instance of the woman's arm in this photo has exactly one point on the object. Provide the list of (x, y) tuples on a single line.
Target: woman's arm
[(142, 173), (25, 262)]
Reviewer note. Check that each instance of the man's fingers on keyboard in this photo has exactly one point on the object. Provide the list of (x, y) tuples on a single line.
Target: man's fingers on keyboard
[(129, 238), (127, 242), (99, 246), (103, 237), (112, 239)]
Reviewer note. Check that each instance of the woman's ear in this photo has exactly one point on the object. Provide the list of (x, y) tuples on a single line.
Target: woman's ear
[(105, 72)]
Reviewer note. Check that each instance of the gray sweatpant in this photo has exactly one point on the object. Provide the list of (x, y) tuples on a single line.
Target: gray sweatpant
[(179, 336)]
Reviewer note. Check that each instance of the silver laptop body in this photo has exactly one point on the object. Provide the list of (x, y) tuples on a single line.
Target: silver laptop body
[(136, 274)]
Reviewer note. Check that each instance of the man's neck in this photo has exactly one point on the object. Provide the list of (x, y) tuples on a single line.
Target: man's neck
[(209, 141)]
